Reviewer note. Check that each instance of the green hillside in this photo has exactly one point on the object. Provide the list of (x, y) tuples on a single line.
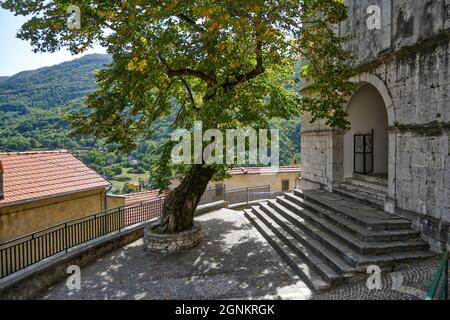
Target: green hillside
[(32, 104)]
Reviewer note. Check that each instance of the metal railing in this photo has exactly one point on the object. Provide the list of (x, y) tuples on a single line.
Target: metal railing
[(236, 196), (213, 194), (247, 195), (25, 251), (439, 285)]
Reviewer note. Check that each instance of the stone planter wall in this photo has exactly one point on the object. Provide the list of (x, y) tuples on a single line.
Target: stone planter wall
[(171, 243)]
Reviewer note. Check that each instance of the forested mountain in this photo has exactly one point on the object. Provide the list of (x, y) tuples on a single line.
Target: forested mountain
[(53, 86), (32, 105)]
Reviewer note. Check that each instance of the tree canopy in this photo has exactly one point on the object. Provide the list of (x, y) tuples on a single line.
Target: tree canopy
[(227, 63)]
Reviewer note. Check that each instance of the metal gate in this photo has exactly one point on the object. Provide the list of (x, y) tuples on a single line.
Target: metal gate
[(363, 153)]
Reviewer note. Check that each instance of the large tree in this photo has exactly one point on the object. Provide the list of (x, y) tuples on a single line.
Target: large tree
[(227, 63)]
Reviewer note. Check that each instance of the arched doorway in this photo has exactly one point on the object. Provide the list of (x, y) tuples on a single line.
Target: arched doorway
[(366, 143)]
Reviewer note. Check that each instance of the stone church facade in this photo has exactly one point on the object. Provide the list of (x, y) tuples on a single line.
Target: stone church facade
[(399, 114)]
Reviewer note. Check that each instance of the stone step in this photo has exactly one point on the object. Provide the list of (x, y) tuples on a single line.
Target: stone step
[(301, 215), (336, 263), (367, 190), (292, 239), (371, 179), (339, 249), (366, 216), (383, 188), (347, 253), (366, 195), (319, 214), (285, 248)]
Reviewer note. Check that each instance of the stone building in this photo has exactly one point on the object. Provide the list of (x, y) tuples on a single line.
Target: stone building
[(396, 153)]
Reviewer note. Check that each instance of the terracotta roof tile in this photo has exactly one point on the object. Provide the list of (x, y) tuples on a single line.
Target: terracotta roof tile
[(32, 175), (133, 198)]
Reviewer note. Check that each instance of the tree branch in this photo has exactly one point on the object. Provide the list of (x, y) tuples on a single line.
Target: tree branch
[(189, 72), (259, 68), (189, 91), (191, 22), (181, 72)]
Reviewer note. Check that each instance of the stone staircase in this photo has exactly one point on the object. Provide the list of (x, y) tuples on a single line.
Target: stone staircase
[(367, 189), (328, 239)]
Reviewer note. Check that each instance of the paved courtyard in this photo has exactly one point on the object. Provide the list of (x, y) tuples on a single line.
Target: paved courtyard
[(410, 283), (233, 262)]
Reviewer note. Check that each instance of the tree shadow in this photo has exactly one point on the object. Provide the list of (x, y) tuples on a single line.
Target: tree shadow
[(232, 261)]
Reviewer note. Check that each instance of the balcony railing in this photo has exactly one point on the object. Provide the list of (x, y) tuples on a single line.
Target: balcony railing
[(213, 194)]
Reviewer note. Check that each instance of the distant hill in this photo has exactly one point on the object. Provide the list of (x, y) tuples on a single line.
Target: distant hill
[(53, 86), (32, 104)]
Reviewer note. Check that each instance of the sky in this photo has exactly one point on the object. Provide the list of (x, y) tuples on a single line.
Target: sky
[(16, 55)]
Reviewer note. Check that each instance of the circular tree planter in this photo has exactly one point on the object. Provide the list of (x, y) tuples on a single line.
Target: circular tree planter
[(171, 243)]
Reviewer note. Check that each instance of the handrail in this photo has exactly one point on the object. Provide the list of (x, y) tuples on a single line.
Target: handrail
[(443, 269), (76, 220), (24, 251)]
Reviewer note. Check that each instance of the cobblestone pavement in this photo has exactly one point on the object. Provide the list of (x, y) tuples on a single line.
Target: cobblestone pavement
[(233, 262), (409, 283)]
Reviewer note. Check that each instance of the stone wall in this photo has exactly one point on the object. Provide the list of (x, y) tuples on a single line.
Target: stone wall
[(408, 61), (404, 24), (171, 243)]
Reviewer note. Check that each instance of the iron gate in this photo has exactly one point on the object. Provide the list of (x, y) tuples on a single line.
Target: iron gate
[(363, 153)]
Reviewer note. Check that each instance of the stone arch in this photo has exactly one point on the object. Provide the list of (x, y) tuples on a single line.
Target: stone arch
[(367, 114), (378, 83)]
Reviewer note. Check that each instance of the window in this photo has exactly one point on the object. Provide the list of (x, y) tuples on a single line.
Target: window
[(285, 185)]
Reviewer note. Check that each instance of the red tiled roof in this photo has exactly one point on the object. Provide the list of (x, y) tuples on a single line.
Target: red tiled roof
[(35, 175), (133, 198), (261, 170)]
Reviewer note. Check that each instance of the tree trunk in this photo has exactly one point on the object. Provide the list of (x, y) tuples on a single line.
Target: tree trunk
[(180, 204)]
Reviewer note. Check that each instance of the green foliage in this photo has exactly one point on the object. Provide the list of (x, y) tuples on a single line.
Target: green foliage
[(326, 66), (30, 114), (51, 87), (137, 170), (229, 64)]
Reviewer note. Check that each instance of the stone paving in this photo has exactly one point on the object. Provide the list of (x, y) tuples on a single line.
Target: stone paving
[(410, 283), (232, 262)]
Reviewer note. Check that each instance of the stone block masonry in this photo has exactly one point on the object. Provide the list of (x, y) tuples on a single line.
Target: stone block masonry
[(171, 243), (408, 62)]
